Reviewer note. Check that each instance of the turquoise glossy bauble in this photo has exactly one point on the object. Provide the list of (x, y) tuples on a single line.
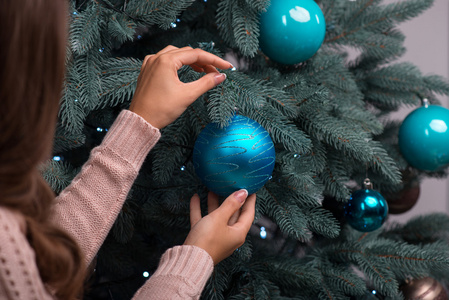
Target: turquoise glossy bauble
[(424, 138), (238, 156), (366, 210), (291, 31)]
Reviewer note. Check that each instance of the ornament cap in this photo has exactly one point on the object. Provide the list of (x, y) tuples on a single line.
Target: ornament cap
[(367, 184), (425, 102)]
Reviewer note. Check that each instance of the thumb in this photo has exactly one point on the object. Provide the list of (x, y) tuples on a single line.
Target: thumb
[(205, 83), (233, 203)]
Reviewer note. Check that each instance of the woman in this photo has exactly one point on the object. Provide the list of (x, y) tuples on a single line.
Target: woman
[(45, 245)]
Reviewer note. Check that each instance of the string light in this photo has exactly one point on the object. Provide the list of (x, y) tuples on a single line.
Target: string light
[(57, 158), (146, 274), (263, 233), (99, 129), (101, 50), (183, 168)]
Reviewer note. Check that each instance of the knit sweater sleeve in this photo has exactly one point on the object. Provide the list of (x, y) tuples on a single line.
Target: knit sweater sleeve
[(88, 207), (182, 274)]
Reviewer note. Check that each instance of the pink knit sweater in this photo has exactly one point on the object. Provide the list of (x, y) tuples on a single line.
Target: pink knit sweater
[(87, 209)]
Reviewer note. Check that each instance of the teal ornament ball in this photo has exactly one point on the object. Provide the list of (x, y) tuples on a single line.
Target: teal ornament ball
[(424, 138), (238, 156), (366, 210), (291, 31)]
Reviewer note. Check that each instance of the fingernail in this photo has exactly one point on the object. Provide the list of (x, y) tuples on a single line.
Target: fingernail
[(219, 78), (232, 68), (241, 195)]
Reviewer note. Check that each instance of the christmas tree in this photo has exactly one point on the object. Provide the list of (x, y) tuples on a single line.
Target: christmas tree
[(327, 116)]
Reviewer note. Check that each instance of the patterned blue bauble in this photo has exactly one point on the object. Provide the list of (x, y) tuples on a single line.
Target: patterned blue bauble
[(424, 138), (238, 156), (366, 210), (291, 31)]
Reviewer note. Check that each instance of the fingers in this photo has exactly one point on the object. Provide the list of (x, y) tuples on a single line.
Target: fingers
[(199, 57), (197, 68), (247, 214), (144, 63), (168, 49), (204, 84), (234, 218), (212, 202), (196, 58), (232, 204), (195, 210)]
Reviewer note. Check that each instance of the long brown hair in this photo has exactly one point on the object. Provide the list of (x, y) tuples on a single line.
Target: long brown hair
[(32, 54)]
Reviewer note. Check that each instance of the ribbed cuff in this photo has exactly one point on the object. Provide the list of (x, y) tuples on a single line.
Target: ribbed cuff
[(189, 262), (131, 137)]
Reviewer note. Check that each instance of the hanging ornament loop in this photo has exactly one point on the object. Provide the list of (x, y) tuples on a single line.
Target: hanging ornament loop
[(367, 184), (425, 102)]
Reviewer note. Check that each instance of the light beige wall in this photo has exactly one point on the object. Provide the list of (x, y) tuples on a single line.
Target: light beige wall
[(427, 43)]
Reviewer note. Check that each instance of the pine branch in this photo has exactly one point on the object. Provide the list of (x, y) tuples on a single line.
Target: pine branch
[(420, 229), (341, 279), (58, 175), (281, 129), (65, 140), (71, 111), (118, 80), (85, 28), (245, 22), (89, 76), (168, 156), (288, 217), (121, 28), (123, 228), (157, 12), (322, 222)]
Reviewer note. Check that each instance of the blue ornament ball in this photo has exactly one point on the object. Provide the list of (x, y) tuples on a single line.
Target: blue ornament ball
[(238, 156), (424, 138), (366, 210), (291, 31)]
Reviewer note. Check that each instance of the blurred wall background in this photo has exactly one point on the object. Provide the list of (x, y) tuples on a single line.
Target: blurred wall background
[(427, 44)]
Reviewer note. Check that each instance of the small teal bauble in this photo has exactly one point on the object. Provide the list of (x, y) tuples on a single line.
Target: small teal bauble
[(366, 210), (424, 138), (238, 156), (291, 31)]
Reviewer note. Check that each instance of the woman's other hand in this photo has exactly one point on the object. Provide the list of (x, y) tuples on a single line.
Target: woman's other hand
[(225, 228), (160, 96)]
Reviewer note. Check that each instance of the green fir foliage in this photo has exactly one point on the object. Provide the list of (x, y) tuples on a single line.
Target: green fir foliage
[(328, 118), (58, 174)]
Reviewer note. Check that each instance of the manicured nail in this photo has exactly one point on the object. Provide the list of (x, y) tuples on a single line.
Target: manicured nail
[(219, 78), (241, 195)]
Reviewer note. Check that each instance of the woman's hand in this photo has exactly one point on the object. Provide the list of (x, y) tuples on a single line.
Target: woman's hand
[(160, 96), (225, 228)]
